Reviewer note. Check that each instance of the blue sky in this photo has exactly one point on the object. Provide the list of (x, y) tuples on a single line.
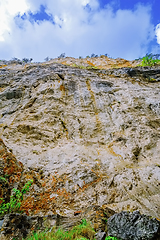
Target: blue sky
[(40, 28)]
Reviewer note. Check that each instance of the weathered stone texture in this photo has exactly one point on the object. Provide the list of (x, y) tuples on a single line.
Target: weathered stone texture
[(85, 136), (133, 226)]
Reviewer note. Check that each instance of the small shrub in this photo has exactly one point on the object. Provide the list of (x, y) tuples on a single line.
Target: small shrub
[(148, 60), (2, 179), (27, 60), (16, 59), (15, 200), (62, 55), (93, 55)]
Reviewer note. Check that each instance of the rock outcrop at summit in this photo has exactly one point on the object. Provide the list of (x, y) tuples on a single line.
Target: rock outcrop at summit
[(85, 136)]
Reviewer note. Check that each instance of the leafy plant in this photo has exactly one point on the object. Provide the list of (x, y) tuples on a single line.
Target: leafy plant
[(15, 200), (148, 60), (62, 55), (2, 179), (84, 222)]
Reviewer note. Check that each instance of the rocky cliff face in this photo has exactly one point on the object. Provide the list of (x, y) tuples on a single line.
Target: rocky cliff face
[(85, 136)]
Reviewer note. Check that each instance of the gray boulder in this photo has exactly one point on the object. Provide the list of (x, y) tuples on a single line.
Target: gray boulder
[(125, 225)]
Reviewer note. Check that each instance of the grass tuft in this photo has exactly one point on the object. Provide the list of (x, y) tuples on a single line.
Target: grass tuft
[(111, 238), (84, 231)]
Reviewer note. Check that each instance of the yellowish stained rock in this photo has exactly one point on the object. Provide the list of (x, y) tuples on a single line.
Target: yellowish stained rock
[(86, 136)]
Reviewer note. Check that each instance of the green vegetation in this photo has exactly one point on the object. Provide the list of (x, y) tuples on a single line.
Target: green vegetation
[(2, 179), (84, 231), (15, 199), (148, 60), (91, 67), (78, 66), (84, 67), (111, 238)]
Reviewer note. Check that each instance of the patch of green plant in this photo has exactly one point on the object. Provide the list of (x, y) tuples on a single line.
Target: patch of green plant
[(104, 219), (149, 61), (15, 200), (111, 238), (78, 66), (91, 67), (84, 231), (2, 179), (83, 67)]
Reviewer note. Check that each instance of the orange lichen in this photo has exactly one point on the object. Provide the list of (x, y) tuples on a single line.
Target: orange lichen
[(45, 200), (62, 88), (90, 63), (87, 185), (2, 66)]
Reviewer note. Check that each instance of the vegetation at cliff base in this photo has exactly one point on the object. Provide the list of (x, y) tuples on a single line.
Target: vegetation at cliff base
[(84, 231), (111, 238)]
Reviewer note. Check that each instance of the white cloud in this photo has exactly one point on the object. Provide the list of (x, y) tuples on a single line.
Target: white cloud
[(78, 30), (158, 33), (8, 10)]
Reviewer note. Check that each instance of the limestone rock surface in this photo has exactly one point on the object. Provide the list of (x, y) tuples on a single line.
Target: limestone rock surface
[(85, 136)]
